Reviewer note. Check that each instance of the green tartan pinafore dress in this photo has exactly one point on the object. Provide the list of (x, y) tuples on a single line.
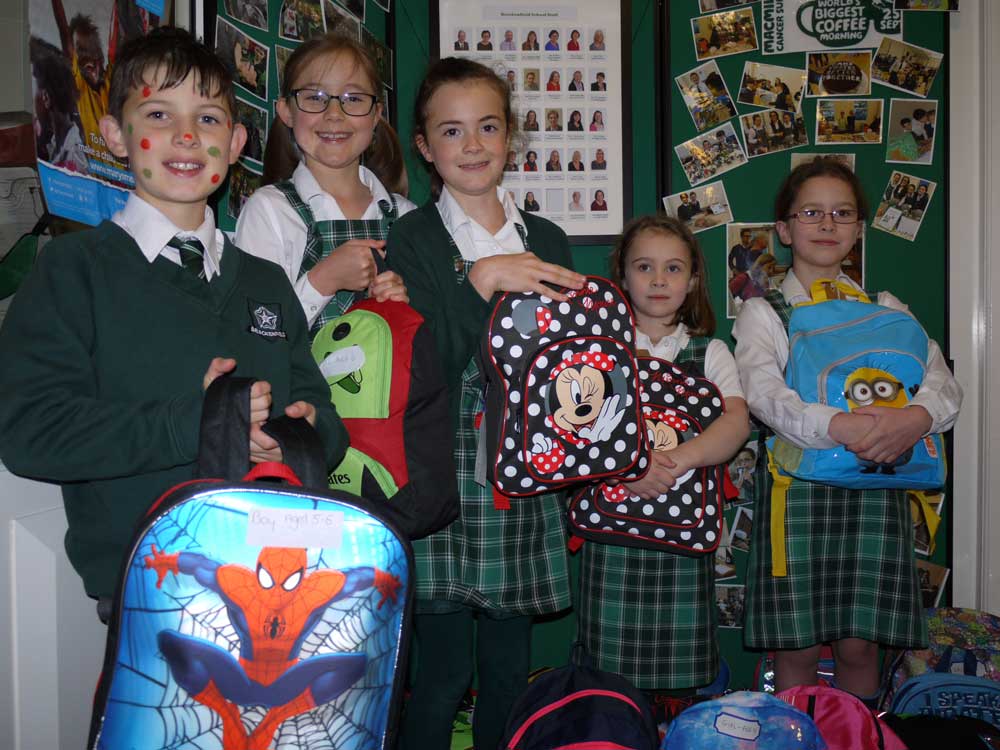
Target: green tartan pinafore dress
[(650, 615), (322, 237), (504, 562), (851, 571)]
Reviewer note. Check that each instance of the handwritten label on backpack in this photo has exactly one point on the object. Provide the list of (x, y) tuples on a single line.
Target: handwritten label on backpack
[(275, 527), (731, 725)]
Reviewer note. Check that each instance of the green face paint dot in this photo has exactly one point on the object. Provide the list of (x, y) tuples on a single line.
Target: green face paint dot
[(147, 173), (214, 151), (130, 128)]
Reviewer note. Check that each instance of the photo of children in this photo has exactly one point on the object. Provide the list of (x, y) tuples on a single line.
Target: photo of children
[(701, 208), (242, 184), (771, 131), (300, 20), (925, 510), (753, 264), (722, 34), (254, 119), (731, 605), (932, 579), (339, 22), (706, 96), (847, 73), (710, 5), (58, 139), (250, 12), (911, 131), (742, 527), (906, 67), (903, 205), (381, 55), (803, 157), (772, 86), (725, 565), (848, 121), (950, 5), (711, 154), (741, 473), (245, 58), (281, 55)]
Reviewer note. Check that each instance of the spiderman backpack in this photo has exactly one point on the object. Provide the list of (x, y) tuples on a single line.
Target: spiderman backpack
[(385, 380), (256, 615), (677, 405), (562, 402)]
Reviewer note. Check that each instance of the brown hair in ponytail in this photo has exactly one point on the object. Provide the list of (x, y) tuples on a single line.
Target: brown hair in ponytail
[(384, 156)]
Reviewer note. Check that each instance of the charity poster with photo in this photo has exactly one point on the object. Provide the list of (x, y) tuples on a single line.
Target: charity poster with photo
[(563, 63), (71, 76), (815, 25)]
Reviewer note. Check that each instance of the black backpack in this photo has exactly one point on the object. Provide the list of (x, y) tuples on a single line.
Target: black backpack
[(579, 706), (562, 402)]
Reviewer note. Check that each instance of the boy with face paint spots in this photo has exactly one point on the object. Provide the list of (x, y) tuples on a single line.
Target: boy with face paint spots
[(118, 330)]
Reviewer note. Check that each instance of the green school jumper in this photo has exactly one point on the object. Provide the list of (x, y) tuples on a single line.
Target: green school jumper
[(102, 355), (649, 615), (504, 561), (851, 571)]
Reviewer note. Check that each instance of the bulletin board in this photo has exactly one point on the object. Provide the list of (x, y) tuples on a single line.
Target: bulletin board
[(915, 271), (254, 38)]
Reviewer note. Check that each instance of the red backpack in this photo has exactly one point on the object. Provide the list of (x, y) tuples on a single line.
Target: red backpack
[(844, 722)]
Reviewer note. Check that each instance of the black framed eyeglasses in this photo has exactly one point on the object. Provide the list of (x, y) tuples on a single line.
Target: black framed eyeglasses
[(352, 103), (816, 215)]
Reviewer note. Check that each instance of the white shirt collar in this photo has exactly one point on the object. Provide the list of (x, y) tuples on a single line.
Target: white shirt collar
[(668, 347), (325, 206), (796, 294), (151, 231), (474, 241)]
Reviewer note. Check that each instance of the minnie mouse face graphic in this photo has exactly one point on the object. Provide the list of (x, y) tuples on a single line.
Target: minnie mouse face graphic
[(578, 396)]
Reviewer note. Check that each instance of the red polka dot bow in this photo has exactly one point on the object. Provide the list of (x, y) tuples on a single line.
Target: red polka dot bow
[(597, 360), (669, 418)]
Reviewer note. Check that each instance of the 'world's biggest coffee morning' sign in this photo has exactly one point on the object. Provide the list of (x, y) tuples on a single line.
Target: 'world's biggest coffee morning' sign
[(807, 25)]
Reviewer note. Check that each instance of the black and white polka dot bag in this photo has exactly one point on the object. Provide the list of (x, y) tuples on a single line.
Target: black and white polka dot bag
[(562, 401), (677, 406)]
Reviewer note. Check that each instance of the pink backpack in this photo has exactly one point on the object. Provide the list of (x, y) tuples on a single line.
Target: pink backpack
[(843, 720)]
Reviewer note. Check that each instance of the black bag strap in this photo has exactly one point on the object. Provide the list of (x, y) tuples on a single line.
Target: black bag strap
[(224, 448)]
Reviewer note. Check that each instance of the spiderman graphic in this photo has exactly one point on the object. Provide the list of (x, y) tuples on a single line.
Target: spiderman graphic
[(273, 609)]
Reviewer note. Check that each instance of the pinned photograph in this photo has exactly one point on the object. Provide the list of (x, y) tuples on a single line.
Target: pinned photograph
[(926, 509), (771, 131), (939, 5), (281, 55), (772, 86), (721, 34), (355, 7), (912, 123), (300, 20), (804, 157), (932, 579), (242, 184), (742, 529), (339, 21), (710, 5), (254, 119), (381, 56), (744, 463), (701, 208), (251, 12), (731, 603), (755, 264), (847, 73), (848, 121), (904, 204), (711, 154), (245, 58), (906, 67), (725, 565), (706, 96)]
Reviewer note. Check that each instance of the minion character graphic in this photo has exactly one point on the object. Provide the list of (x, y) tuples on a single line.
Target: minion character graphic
[(868, 386)]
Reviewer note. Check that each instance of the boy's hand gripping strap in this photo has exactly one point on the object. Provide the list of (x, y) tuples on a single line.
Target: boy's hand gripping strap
[(779, 492)]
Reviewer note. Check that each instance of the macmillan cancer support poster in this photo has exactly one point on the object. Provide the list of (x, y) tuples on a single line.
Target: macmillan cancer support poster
[(809, 25)]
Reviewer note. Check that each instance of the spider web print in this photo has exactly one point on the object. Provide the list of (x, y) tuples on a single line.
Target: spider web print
[(148, 710)]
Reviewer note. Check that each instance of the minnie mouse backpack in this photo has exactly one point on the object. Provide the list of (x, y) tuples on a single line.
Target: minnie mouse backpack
[(677, 406), (562, 402)]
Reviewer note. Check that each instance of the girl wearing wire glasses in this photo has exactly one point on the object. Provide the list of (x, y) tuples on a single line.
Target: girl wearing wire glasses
[(851, 578), (333, 174)]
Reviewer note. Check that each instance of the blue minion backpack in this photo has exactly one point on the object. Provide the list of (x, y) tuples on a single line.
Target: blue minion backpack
[(848, 352)]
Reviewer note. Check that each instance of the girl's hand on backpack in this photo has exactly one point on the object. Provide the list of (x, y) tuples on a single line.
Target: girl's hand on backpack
[(350, 266), (522, 272), (848, 428), (895, 431), (658, 480), (388, 285)]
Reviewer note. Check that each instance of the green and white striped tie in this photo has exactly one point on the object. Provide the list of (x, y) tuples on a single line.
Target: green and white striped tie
[(192, 255)]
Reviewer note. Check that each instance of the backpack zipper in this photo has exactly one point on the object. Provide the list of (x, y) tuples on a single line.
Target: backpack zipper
[(546, 710)]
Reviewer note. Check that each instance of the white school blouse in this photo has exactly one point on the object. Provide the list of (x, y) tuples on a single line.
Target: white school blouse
[(270, 228), (761, 356), (720, 367), (475, 242)]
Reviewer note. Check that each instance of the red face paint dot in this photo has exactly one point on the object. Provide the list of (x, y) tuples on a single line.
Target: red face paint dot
[(215, 178), (188, 136), (146, 91), (229, 124), (145, 144)]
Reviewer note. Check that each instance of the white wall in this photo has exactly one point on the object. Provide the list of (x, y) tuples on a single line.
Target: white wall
[(15, 75)]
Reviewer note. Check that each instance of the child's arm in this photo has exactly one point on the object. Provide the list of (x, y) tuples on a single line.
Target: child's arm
[(523, 272)]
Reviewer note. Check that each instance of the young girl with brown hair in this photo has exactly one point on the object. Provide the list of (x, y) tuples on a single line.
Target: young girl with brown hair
[(645, 614), (322, 211)]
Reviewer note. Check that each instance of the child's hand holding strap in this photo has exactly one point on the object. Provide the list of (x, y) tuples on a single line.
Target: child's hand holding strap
[(522, 272), (350, 266), (263, 447), (894, 431)]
